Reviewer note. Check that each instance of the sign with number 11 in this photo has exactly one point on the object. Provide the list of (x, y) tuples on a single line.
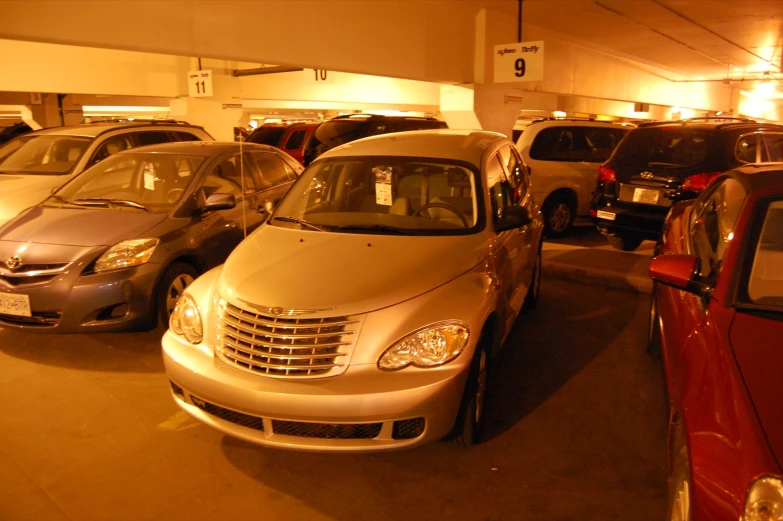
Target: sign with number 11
[(199, 84)]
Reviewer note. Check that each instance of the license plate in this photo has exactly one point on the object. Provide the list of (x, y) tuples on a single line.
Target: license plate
[(606, 215), (643, 195), (13, 304)]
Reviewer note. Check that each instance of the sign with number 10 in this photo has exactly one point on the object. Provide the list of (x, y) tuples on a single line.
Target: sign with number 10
[(516, 62)]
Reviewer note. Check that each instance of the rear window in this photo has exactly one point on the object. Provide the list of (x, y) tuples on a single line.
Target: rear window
[(267, 135), (295, 139), (676, 147), (578, 143)]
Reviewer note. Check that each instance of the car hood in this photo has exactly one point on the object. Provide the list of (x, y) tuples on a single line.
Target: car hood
[(78, 227), (758, 346), (345, 272), (18, 192)]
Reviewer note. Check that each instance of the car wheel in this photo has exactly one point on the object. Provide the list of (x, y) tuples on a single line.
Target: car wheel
[(559, 212), (531, 299), (679, 508), (624, 242), (469, 425), (653, 327), (177, 277)]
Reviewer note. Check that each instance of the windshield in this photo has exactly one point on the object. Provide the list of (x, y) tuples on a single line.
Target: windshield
[(42, 154), (383, 195), (155, 182), (765, 286), (266, 135), (663, 148)]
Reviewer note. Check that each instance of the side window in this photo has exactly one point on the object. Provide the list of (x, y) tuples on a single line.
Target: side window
[(561, 144), (295, 140), (186, 136), (292, 168), (501, 193), (271, 168), (152, 137), (773, 143), (110, 147), (747, 148), (227, 178), (516, 170), (602, 142), (712, 227)]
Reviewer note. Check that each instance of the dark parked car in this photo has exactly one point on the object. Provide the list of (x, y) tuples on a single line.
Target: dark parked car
[(289, 138), (717, 316), (11, 131), (114, 248), (344, 129), (657, 164)]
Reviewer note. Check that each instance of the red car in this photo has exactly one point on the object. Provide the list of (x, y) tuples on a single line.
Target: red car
[(290, 138), (717, 315)]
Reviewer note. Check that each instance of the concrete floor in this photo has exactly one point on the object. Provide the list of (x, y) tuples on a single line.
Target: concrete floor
[(576, 431)]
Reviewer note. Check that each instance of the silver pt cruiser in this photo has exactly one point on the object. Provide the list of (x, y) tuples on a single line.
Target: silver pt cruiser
[(362, 313)]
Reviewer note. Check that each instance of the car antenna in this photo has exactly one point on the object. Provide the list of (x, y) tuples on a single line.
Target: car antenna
[(242, 181)]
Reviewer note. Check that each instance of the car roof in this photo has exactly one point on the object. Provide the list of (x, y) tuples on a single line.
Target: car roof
[(565, 122), (712, 124), (96, 129), (464, 145), (759, 176), (198, 148)]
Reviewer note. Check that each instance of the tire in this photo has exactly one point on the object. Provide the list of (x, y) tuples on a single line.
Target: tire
[(653, 328), (624, 242), (559, 211), (679, 504), (177, 277), (531, 299), (471, 419)]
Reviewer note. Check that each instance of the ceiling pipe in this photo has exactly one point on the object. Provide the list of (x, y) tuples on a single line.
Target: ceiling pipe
[(264, 70)]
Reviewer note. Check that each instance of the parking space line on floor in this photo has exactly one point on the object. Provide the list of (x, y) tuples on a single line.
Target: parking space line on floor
[(179, 421)]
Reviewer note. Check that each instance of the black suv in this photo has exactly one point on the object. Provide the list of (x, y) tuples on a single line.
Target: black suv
[(344, 129), (657, 164)]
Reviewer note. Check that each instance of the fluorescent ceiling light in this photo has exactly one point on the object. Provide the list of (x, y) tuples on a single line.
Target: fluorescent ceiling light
[(123, 108)]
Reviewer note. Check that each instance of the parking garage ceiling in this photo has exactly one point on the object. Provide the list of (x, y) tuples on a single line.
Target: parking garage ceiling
[(697, 39)]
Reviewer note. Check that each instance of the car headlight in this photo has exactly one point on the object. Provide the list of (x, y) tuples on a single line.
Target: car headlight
[(126, 254), (429, 346), (764, 501), (185, 320)]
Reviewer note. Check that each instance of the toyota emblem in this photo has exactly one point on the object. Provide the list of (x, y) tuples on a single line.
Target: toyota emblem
[(646, 175), (13, 263)]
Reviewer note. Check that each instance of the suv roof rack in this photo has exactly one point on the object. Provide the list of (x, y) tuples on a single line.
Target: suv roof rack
[(368, 116), (716, 118), (140, 122)]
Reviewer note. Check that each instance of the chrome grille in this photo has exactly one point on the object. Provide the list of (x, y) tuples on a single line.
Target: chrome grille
[(284, 346), (31, 273)]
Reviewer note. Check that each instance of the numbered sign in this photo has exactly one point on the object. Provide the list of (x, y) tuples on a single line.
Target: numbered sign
[(199, 84), (516, 62)]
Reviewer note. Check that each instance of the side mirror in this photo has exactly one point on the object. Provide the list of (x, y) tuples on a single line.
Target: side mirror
[(681, 272), (513, 217), (219, 202)]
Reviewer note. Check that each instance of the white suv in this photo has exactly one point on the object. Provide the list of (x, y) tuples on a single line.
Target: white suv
[(563, 157)]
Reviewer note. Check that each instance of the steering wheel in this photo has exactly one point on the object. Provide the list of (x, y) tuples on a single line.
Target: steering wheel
[(173, 195), (453, 209)]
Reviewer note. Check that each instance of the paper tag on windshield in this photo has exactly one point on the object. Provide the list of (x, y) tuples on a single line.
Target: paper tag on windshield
[(149, 176), (383, 185)]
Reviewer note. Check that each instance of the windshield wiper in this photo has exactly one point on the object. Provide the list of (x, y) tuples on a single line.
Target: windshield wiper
[(671, 165), (300, 222), (376, 227), (111, 202)]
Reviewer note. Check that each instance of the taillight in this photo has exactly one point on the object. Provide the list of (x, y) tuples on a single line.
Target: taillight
[(606, 174), (593, 212), (698, 182)]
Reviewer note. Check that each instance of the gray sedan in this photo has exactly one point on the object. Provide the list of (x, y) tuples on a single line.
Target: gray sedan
[(114, 248)]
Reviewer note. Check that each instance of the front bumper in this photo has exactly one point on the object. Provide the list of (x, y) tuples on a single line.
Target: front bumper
[(363, 409), (74, 303)]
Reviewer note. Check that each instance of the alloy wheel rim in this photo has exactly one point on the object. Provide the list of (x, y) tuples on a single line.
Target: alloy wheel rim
[(481, 386), (176, 289), (559, 217)]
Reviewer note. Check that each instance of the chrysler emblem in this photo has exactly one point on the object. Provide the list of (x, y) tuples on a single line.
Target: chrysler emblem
[(276, 311), (13, 263), (646, 175)]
